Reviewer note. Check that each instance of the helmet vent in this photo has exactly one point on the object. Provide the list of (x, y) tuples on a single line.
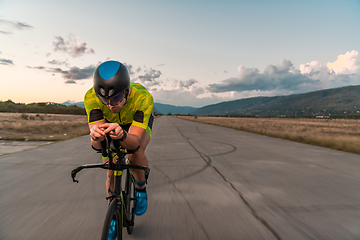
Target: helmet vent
[(102, 91), (111, 92)]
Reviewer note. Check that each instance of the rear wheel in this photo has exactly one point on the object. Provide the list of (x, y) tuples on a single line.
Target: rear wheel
[(130, 201), (112, 228)]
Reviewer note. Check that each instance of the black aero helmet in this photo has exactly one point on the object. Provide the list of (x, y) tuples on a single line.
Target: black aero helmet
[(110, 79)]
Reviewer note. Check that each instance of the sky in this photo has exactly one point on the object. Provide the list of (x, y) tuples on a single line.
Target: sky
[(186, 53)]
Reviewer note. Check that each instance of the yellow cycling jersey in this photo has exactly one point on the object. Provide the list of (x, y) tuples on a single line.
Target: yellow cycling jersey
[(137, 111)]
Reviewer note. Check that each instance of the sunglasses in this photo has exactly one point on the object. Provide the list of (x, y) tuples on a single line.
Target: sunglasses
[(113, 101)]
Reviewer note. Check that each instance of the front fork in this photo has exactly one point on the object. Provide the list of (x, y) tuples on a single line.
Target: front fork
[(120, 196)]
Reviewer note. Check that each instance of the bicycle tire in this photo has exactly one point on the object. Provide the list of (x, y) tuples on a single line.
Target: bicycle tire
[(114, 212), (130, 202)]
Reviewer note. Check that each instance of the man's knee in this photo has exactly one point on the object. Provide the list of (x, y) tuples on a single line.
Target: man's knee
[(143, 144), (138, 154), (144, 141)]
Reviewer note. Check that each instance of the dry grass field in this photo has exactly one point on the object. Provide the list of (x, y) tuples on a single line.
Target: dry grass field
[(45, 127), (339, 134)]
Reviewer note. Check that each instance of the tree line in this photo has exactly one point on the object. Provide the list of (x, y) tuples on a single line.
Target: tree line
[(42, 107)]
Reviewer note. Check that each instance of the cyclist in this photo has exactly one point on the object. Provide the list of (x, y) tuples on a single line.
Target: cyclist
[(123, 109)]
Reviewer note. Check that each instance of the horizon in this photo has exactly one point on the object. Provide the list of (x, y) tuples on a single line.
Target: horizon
[(187, 54), (74, 102)]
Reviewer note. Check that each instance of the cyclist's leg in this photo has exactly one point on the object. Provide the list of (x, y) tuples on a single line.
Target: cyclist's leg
[(139, 158), (109, 180)]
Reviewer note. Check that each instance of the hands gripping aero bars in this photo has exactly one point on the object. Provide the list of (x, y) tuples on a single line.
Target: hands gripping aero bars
[(106, 152)]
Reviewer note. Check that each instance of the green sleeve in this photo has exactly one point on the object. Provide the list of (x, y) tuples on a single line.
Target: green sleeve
[(143, 112), (93, 107)]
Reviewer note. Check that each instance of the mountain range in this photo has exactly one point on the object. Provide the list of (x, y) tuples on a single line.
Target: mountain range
[(342, 100)]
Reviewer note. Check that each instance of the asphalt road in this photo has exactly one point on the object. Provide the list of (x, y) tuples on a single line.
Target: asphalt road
[(206, 182)]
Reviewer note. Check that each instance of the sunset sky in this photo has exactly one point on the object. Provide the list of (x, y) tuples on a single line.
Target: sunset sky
[(187, 53)]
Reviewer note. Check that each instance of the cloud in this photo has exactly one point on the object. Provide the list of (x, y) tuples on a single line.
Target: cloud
[(14, 25), (59, 44), (183, 97), (70, 81), (39, 67), (184, 84), (342, 72), (4, 32), (149, 78), (315, 70), (72, 75), (283, 78), (311, 68), (72, 46), (275, 77), (131, 71), (348, 63), (6, 61), (75, 73), (187, 84), (21, 26), (58, 62), (129, 67), (170, 91)]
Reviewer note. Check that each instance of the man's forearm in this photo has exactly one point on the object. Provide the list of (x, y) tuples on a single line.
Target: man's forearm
[(131, 142), (96, 144)]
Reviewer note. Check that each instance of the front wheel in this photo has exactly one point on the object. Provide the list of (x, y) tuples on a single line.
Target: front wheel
[(130, 201), (112, 228)]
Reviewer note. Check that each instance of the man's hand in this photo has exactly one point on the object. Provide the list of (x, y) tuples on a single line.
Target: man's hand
[(96, 132), (114, 130)]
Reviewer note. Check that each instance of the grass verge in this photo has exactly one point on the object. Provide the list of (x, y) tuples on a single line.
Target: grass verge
[(338, 134), (42, 127)]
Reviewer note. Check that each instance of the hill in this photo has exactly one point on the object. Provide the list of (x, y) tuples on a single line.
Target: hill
[(342, 100), (166, 109), (70, 103)]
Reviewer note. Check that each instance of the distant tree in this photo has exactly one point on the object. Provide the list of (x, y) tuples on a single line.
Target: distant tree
[(43, 107), (158, 114)]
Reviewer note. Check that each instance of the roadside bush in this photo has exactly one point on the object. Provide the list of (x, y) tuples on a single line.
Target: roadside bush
[(24, 116)]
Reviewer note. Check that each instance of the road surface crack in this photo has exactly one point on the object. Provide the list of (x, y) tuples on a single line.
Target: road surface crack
[(254, 212)]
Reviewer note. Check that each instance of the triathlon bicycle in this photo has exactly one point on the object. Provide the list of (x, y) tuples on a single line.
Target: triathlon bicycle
[(120, 212)]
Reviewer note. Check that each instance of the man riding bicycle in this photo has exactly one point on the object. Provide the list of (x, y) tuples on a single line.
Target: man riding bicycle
[(123, 109)]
